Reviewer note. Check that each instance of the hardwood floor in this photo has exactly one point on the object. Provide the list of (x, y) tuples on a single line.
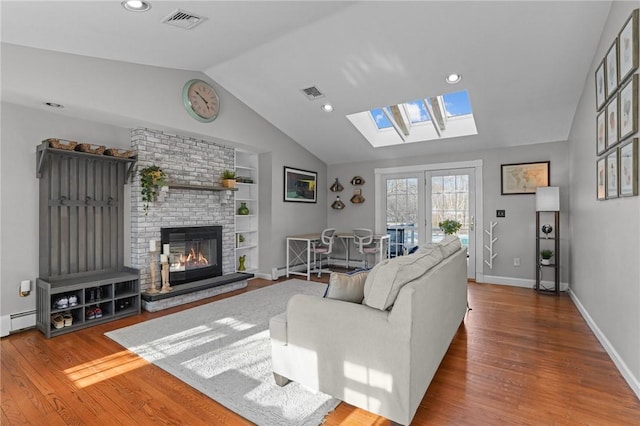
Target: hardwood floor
[(519, 358)]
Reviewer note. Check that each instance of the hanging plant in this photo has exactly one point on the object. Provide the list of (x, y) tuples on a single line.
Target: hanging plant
[(151, 179)]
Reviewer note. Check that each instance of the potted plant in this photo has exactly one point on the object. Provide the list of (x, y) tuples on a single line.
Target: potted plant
[(151, 179), (229, 179), (450, 226), (546, 255)]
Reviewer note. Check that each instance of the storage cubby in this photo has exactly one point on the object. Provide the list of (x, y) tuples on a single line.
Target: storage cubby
[(116, 293)]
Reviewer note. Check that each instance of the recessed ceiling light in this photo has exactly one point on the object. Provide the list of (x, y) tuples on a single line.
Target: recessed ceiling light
[(136, 5), (453, 78), (327, 107), (53, 105)]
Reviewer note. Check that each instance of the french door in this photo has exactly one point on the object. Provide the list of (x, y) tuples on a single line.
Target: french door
[(413, 202), (450, 194)]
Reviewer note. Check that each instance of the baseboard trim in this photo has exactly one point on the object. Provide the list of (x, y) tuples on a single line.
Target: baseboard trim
[(519, 282), (633, 382)]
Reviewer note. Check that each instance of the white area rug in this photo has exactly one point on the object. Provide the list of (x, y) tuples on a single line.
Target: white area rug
[(223, 350)]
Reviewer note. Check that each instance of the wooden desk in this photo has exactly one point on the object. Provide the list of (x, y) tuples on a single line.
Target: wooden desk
[(299, 250)]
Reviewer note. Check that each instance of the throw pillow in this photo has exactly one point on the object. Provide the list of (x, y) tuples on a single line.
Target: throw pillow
[(346, 287), (449, 245), (387, 278)]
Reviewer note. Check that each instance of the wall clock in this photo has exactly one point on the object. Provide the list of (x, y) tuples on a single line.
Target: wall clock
[(201, 100)]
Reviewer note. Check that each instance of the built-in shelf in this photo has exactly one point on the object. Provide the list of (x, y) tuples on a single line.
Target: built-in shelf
[(200, 187)]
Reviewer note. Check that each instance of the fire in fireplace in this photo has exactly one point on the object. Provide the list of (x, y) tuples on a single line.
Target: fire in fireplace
[(195, 252)]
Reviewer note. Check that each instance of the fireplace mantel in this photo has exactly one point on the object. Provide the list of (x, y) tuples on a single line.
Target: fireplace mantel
[(200, 187)]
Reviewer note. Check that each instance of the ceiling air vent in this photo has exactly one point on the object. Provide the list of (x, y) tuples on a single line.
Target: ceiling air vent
[(312, 93), (182, 19)]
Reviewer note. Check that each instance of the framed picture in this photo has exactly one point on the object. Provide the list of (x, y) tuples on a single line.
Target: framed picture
[(629, 168), (300, 186), (628, 45), (524, 178), (612, 122), (611, 69), (601, 96), (628, 108), (601, 135), (601, 178), (612, 174)]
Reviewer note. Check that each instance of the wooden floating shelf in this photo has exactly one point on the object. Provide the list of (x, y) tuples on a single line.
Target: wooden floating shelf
[(200, 187)]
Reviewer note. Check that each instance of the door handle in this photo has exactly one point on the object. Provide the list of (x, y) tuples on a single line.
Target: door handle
[(472, 223)]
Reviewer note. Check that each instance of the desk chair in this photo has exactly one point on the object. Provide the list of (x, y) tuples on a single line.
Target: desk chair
[(322, 247), (363, 238)]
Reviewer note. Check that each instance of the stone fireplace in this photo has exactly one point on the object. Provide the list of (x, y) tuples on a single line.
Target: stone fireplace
[(192, 162)]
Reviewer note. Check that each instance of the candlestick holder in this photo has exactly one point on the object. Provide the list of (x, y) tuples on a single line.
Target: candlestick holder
[(166, 287), (152, 270)]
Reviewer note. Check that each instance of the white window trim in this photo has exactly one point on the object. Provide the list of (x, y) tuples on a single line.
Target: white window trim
[(380, 226)]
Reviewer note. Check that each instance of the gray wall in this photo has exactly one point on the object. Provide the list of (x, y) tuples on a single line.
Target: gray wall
[(516, 232), (131, 96), (605, 234)]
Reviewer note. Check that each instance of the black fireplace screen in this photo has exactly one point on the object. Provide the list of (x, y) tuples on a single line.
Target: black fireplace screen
[(195, 252)]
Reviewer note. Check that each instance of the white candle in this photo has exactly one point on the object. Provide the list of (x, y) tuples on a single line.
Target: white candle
[(152, 245), (164, 258), (165, 248)]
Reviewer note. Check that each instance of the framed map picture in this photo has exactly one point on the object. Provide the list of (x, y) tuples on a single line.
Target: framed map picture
[(524, 178)]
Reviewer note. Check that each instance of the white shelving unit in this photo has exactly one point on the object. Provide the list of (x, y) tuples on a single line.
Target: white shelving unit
[(247, 225)]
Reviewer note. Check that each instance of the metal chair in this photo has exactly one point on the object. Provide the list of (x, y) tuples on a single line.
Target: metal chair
[(322, 247), (363, 238)]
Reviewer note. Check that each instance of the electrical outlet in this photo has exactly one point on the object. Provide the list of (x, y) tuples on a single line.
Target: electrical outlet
[(516, 261), (501, 213)]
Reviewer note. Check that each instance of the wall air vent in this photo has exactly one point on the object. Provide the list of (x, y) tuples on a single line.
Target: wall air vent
[(312, 93), (182, 19)]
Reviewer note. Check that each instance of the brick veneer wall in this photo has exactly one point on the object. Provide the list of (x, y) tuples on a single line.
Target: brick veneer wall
[(187, 161)]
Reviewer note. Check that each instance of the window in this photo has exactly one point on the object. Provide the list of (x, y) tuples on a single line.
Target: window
[(431, 118)]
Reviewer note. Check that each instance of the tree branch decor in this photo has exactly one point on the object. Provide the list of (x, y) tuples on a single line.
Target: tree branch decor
[(151, 179)]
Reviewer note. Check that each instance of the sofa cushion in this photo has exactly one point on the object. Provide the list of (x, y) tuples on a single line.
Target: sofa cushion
[(387, 278), (346, 287), (449, 245)]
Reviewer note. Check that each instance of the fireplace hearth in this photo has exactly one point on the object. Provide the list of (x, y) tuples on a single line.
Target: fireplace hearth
[(195, 253)]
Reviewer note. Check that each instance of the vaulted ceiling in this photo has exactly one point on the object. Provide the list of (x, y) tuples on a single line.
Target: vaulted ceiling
[(523, 63)]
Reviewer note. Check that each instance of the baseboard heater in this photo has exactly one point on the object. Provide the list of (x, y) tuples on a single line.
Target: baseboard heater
[(22, 320)]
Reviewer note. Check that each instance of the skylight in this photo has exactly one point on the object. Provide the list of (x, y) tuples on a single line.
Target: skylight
[(438, 117)]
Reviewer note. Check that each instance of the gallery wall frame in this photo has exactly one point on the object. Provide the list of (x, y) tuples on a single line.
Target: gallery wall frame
[(612, 174), (300, 186), (524, 178), (601, 179), (601, 133), (628, 108), (628, 153), (612, 122), (601, 96), (628, 47), (611, 69)]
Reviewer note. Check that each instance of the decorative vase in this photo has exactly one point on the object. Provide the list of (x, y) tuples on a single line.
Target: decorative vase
[(243, 209), (241, 260), (545, 261), (229, 183)]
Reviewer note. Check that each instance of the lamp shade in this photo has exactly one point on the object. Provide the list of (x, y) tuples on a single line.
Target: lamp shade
[(548, 199)]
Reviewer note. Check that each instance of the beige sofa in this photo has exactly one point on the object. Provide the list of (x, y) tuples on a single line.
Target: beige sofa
[(380, 354)]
